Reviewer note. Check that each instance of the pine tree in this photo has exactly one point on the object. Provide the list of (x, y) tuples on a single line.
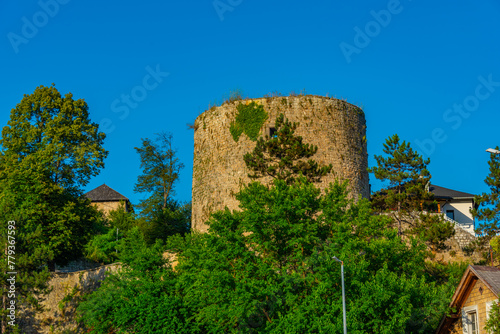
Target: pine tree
[(283, 155), (407, 197), (490, 202)]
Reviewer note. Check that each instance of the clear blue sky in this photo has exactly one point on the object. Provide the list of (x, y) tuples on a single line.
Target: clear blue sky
[(418, 68)]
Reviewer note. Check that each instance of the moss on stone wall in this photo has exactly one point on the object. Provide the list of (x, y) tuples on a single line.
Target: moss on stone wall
[(249, 120)]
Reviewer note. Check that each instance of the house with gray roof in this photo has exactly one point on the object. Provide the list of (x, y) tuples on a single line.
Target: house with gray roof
[(455, 206), (106, 199)]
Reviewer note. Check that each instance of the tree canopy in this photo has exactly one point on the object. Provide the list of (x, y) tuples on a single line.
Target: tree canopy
[(54, 137), (268, 268), (160, 170), (49, 151)]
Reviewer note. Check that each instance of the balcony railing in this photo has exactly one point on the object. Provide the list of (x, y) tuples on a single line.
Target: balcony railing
[(457, 224)]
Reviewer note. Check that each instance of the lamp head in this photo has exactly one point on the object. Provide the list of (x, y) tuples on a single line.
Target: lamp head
[(491, 150)]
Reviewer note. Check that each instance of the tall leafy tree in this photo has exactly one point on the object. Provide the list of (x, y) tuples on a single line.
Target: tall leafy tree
[(161, 170), (284, 155), (407, 193), (48, 151), (53, 136), (161, 214)]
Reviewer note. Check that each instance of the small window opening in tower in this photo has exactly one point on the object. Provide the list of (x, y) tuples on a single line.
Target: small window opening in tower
[(272, 132)]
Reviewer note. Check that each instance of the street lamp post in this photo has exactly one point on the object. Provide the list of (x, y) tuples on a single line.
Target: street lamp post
[(343, 291)]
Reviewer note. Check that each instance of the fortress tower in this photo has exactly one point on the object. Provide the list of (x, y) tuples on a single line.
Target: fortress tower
[(224, 134)]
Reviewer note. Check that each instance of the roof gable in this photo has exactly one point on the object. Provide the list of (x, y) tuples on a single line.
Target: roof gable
[(104, 193), (490, 276)]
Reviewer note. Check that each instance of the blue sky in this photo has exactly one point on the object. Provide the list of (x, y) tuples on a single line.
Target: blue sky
[(426, 70)]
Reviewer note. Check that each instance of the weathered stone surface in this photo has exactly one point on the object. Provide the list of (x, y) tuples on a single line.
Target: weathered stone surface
[(58, 315), (335, 126)]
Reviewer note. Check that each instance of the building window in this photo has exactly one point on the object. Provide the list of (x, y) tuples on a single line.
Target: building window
[(450, 214), (472, 323), (271, 132), (470, 320)]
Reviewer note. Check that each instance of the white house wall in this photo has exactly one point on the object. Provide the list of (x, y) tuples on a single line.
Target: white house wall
[(462, 213)]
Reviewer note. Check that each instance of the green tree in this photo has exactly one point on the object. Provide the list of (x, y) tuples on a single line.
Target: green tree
[(434, 230), (268, 268), (49, 150), (493, 321), (122, 218), (161, 170), (407, 195), (161, 215), (164, 222), (54, 136), (139, 298), (282, 156), (489, 212), (103, 246)]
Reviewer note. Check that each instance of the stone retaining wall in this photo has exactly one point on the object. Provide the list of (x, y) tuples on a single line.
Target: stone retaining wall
[(58, 316)]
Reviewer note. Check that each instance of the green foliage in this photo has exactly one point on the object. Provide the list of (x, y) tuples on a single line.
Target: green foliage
[(493, 321), (140, 298), (434, 230), (495, 244), (102, 247), (249, 120), (408, 177), (160, 216), (269, 269), (122, 218), (164, 222), (282, 156), (490, 202), (55, 137), (160, 171), (49, 150)]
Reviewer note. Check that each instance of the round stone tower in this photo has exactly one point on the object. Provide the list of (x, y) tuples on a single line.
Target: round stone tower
[(222, 136)]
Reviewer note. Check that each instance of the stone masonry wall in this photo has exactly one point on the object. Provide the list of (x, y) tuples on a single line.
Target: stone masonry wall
[(335, 126), (463, 238), (106, 207), (56, 316)]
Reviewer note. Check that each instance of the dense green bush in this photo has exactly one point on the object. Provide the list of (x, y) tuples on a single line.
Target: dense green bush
[(269, 269)]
